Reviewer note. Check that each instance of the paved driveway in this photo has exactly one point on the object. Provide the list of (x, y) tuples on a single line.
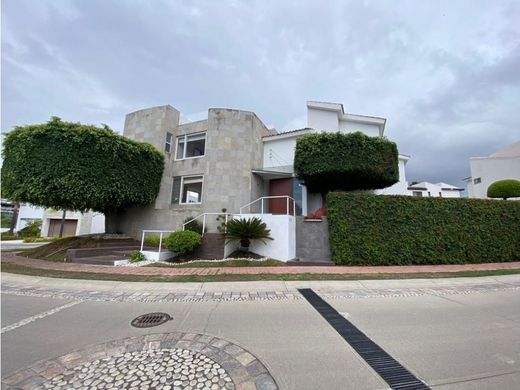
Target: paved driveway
[(450, 333)]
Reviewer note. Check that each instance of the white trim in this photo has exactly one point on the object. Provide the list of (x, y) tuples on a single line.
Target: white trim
[(181, 192)]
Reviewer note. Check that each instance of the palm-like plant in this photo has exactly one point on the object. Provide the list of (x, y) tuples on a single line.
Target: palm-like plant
[(246, 230)]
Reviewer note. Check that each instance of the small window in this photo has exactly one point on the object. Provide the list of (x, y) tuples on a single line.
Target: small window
[(191, 189), (176, 189), (191, 146), (440, 194), (429, 193), (477, 180), (417, 193), (168, 143)]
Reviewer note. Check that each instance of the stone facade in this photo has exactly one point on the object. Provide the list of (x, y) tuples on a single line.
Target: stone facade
[(233, 148)]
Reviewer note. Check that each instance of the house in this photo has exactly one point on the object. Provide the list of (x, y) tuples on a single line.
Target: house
[(503, 164), (427, 189), (232, 159)]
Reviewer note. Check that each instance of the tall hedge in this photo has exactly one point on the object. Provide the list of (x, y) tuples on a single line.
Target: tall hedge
[(339, 161), (403, 230), (71, 166)]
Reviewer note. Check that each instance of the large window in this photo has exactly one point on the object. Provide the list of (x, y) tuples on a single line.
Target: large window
[(191, 146), (187, 189)]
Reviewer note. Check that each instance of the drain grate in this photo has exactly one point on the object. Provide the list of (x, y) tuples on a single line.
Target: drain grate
[(385, 365), (151, 319)]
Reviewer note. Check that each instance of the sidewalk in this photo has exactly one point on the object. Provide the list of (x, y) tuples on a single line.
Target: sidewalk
[(163, 271)]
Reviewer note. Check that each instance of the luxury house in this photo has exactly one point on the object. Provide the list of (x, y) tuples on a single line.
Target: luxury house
[(503, 164), (232, 161)]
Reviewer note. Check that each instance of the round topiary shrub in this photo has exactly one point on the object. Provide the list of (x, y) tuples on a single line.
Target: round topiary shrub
[(183, 243), (503, 189), (337, 161)]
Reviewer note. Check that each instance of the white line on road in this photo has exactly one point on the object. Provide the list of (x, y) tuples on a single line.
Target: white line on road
[(38, 316)]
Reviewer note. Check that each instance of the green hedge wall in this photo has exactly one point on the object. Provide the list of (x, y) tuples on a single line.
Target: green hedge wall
[(337, 161), (403, 230)]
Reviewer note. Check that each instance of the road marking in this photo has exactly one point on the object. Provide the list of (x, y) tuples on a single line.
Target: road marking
[(47, 313), (392, 372)]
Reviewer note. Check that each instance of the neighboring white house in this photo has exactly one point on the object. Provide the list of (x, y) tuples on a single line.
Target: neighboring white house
[(427, 189), (28, 214), (503, 164), (76, 223)]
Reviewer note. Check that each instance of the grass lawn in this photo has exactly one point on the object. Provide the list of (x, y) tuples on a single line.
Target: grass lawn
[(19, 269)]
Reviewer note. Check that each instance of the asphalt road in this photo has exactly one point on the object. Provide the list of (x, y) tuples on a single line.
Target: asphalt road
[(459, 340)]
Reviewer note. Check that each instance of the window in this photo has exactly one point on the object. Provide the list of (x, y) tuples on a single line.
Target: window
[(440, 194), (417, 193), (191, 146), (477, 180), (187, 189), (429, 193), (168, 143)]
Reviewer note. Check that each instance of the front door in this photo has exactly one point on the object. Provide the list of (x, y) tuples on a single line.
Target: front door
[(280, 187)]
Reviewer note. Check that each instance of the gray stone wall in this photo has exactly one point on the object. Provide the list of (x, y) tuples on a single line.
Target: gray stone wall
[(233, 148), (312, 240)]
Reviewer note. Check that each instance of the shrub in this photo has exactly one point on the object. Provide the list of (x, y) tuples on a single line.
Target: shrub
[(183, 243), (31, 230), (509, 188), (402, 230), (245, 230), (152, 240), (338, 161), (194, 226), (8, 237), (136, 257)]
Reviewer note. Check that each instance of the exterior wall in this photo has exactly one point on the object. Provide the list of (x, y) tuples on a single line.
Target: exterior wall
[(88, 223), (351, 127), (25, 212), (279, 152), (490, 170), (322, 119), (312, 240), (233, 148)]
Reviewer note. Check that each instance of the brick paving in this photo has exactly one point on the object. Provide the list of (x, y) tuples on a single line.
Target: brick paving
[(173, 271), (160, 361)]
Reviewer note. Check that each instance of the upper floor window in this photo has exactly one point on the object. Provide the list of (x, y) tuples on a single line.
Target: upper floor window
[(477, 180), (191, 146), (417, 193), (168, 143)]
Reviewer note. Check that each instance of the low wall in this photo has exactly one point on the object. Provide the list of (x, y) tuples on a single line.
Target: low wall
[(312, 240)]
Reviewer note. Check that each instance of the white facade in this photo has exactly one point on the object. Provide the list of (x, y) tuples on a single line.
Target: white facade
[(442, 190), (82, 223), (26, 214), (503, 164)]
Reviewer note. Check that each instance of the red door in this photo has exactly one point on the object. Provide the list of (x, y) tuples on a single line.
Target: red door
[(280, 187)]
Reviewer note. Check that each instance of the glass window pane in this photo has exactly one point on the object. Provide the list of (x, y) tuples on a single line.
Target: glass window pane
[(180, 148), (192, 190), (195, 147), (176, 189)]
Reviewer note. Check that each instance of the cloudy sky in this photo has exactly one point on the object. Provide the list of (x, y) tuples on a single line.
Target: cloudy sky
[(445, 74)]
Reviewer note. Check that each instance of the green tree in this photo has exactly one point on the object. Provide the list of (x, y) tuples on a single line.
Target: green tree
[(70, 166), (504, 189), (337, 161)]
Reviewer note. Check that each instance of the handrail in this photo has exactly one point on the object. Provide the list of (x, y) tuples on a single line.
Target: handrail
[(272, 197), (160, 237), (204, 220)]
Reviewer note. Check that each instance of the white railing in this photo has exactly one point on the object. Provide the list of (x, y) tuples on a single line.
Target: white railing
[(204, 220), (161, 232), (289, 199)]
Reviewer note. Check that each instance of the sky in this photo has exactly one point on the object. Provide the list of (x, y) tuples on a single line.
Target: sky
[(445, 74)]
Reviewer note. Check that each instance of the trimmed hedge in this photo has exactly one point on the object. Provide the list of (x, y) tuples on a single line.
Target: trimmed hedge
[(503, 189), (183, 242), (337, 161), (404, 230)]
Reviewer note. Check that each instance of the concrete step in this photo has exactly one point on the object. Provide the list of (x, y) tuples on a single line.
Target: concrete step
[(212, 247)]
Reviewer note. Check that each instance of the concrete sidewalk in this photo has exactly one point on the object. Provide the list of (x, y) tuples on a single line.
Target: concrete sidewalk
[(173, 271)]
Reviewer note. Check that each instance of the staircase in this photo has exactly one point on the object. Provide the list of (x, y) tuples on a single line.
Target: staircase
[(107, 252), (212, 247)]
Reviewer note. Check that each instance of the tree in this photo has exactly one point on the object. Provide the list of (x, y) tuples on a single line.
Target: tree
[(504, 189), (70, 166), (337, 161)]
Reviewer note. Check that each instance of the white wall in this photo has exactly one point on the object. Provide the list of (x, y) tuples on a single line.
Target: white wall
[(351, 127), (322, 119), (98, 223), (399, 188), (27, 211), (489, 170), (279, 152), (283, 232), (434, 190)]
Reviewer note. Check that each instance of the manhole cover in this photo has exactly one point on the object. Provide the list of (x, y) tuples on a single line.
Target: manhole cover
[(150, 319)]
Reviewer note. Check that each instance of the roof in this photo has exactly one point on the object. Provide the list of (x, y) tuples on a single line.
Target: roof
[(512, 150), (289, 133), (443, 186)]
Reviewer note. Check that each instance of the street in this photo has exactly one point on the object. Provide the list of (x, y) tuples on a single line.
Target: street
[(449, 333)]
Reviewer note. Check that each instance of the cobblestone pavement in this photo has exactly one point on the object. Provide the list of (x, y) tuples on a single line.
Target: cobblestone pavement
[(174, 271), (141, 296), (168, 361)]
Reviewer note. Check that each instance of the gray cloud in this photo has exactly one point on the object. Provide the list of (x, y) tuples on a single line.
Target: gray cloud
[(443, 73)]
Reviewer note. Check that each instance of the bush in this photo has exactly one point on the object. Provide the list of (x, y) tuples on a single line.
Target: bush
[(31, 230), (246, 230), (509, 188), (136, 257), (183, 243), (338, 161), (194, 226), (152, 240), (403, 230), (8, 237)]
